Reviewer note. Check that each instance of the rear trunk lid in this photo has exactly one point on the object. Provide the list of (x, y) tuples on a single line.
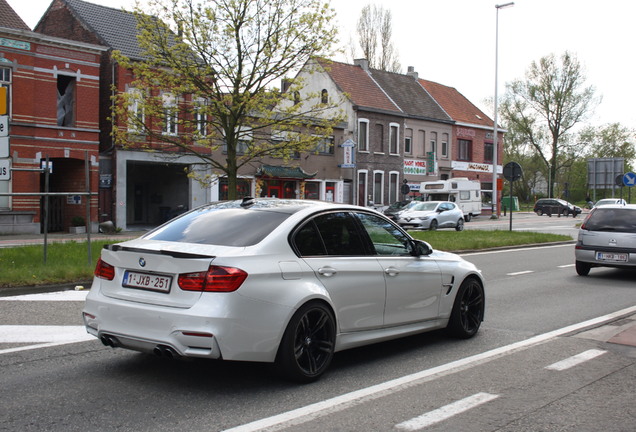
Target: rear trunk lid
[(147, 271)]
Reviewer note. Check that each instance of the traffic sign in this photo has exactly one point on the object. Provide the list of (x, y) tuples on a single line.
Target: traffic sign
[(5, 169), (4, 125), (629, 179), (512, 171), (4, 147)]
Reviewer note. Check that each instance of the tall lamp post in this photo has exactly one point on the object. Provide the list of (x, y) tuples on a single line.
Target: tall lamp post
[(494, 143)]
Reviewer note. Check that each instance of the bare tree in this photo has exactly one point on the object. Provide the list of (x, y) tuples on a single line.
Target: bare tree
[(375, 30)]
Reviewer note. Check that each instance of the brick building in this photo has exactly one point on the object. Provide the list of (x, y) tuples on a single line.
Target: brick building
[(52, 99)]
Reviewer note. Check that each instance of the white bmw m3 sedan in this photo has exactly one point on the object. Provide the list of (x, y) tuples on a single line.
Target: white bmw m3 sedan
[(284, 281)]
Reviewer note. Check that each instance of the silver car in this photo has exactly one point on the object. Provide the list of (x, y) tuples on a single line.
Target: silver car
[(431, 215), (607, 238), (283, 281), (607, 201)]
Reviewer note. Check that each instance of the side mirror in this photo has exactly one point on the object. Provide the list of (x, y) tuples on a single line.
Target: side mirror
[(421, 248)]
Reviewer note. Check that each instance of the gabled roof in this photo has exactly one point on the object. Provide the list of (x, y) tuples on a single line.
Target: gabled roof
[(410, 96), (115, 28), (456, 105), (10, 19), (359, 86)]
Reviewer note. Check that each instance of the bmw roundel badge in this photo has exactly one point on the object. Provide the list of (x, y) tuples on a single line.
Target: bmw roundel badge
[(142, 262)]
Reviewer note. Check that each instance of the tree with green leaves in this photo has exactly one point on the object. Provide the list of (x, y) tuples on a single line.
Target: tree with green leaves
[(544, 108), (375, 30), (610, 141), (208, 83)]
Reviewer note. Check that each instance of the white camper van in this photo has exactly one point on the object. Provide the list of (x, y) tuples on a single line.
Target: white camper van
[(463, 192)]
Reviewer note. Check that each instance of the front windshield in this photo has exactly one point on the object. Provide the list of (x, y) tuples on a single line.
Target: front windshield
[(426, 206)]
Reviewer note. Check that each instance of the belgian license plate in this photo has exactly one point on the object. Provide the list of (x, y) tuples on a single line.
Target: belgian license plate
[(147, 281), (611, 256)]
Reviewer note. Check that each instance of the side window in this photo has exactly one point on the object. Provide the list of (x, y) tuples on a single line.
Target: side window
[(386, 238), (330, 234), (308, 242)]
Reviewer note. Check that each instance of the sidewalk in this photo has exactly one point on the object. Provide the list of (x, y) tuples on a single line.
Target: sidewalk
[(10, 240)]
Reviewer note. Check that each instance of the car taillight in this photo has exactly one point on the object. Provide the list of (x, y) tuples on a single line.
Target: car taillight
[(587, 218), (216, 279), (104, 270)]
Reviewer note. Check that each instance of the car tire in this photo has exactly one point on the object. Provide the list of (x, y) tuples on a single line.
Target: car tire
[(308, 343), (468, 217), (468, 309), (433, 225), (460, 225), (582, 269), (539, 212)]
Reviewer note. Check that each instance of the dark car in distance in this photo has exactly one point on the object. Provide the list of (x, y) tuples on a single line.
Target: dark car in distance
[(555, 206)]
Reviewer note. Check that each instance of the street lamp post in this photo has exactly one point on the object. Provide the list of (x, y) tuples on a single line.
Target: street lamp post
[(494, 143)]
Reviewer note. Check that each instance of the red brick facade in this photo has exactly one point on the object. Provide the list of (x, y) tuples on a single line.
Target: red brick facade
[(40, 69)]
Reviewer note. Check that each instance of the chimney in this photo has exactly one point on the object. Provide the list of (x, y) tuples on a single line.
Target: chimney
[(363, 63), (411, 72)]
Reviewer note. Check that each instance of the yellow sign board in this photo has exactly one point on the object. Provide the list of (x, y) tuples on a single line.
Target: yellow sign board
[(3, 100)]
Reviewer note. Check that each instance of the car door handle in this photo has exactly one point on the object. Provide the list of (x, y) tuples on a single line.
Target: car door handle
[(391, 271), (327, 271)]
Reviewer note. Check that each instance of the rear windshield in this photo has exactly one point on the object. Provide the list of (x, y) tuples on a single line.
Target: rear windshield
[(612, 219), (221, 226)]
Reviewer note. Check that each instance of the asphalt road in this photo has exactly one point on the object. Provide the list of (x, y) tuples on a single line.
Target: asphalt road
[(555, 352)]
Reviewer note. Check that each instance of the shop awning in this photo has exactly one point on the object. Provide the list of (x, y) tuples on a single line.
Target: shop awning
[(283, 172)]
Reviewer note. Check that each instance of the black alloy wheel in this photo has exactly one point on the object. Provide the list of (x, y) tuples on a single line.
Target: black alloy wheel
[(468, 309), (460, 225), (308, 343), (433, 225)]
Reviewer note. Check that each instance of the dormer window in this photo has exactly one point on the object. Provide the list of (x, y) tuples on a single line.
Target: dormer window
[(324, 96)]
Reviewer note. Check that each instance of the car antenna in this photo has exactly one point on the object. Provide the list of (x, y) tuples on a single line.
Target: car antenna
[(248, 201)]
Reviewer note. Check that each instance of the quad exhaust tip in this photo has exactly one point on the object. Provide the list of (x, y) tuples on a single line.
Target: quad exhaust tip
[(165, 351)]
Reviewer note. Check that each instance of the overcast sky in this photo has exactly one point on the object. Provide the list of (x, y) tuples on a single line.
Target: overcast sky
[(453, 42)]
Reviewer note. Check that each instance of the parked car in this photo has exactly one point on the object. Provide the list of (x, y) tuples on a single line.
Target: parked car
[(432, 215), (284, 281), (607, 201), (555, 206), (607, 238), (396, 207)]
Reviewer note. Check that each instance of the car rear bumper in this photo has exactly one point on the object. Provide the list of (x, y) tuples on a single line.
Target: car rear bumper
[(207, 329)]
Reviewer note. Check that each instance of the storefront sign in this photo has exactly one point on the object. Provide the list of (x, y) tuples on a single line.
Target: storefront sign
[(414, 167)]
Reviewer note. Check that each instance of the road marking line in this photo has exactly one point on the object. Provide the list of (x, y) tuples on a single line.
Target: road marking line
[(41, 336), (52, 296), (575, 360), (566, 265), (446, 412), (347, 400), (519, 273)]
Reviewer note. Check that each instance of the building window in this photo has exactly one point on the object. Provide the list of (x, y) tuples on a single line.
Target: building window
[(363, 188), (408, 141), (136, 117), (200, 118), (65, 101), (243, 142), (394, 135), (464, 149), (243, 188), (434, 142), (394, 187), (324, 96), (444, 145), (169, 114), (378, 188), (363, 135), (325, 146), (422, 142), (488, 152), (379, 136)]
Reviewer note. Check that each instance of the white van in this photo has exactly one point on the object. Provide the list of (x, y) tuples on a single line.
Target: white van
[(463, 192)]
